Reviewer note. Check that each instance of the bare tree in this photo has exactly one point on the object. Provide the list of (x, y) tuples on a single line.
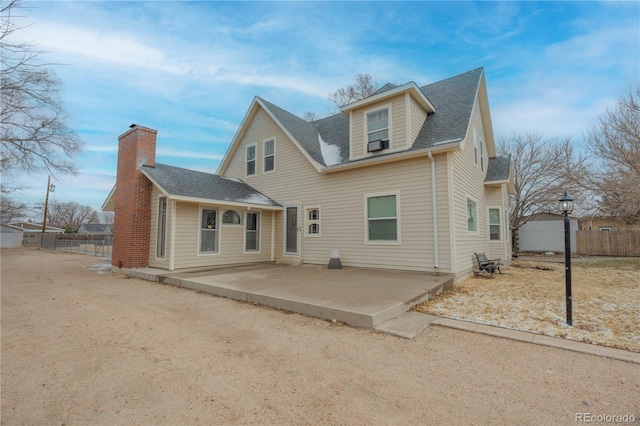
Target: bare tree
[(543, 170), (10, 208), (364, 87), (106, 218), (69, 215), (615, 141), (34, 131), (310, 116)]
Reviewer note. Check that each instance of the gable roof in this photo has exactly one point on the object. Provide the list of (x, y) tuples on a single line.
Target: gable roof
[(454, 99), (499, 170), (325, 142), (193, 186)]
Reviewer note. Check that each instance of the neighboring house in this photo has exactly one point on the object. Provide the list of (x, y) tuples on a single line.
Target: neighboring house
[(606, 223), (405, 179), (95, 229), (10, 236), (545, 232), (33, 231)]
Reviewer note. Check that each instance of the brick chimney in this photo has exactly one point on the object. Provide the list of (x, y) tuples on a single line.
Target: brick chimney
[(131, 230)]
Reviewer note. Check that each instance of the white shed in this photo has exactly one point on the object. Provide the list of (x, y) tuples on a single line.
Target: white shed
[(10, 236), (545, 232)]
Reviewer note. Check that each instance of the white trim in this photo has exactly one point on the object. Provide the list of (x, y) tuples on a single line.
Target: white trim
[(501, 237), (264, 156), (351, 150), (452, 215), (466, 207), (407, 120), (434, 205), (258, 232), (166, 217), (284, 230), (222, 202), (398, 240), (231, 224), (255, 160), (172, 247), (308, 222), (410, 87), (273, 236), (201, 208), (388, 107)]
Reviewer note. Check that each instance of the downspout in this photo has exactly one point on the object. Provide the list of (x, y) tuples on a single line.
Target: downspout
[(273, 235), (435, 209)]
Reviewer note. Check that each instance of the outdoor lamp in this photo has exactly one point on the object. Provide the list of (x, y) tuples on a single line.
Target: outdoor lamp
[(566, 207), (566, 204)]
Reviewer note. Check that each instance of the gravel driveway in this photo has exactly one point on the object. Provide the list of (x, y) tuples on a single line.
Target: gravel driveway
[(84, 346)]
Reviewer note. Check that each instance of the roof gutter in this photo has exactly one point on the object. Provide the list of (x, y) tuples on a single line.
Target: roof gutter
[(403, 155), (435, 210)]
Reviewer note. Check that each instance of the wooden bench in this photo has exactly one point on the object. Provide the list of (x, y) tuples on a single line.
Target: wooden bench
[(488, 265)]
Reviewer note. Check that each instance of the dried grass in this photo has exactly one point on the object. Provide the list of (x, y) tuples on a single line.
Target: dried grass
[(605, 297)]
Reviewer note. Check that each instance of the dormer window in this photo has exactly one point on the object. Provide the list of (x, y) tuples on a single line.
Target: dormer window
[(378, 130)]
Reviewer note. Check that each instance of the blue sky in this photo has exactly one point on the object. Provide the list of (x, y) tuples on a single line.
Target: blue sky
[(190, 70)]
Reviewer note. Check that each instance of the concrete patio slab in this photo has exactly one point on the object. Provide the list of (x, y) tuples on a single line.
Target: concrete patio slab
[(356, 296)]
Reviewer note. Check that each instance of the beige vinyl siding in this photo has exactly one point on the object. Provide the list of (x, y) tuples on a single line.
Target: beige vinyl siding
[(153, 237), (416, 119), (341, 195), (230, 238), (397, 123), (496, 249), (468, 181)]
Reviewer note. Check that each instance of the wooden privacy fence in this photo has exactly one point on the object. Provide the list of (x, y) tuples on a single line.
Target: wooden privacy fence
[(608, 243)]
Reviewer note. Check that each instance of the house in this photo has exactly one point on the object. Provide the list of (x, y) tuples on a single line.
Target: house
[(10, 236), (544, 232), (407, 178), (606, 223), (95, 229), (33, 231)]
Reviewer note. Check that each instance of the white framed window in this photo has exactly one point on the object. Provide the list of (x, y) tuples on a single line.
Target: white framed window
[(231, 217), (252, 232), (269, 149), (250, 158), (481, 155), (475, 145), (378, 125), (208, 231), (472, 215), (382, 212), (162, 227), (494, 224), (313, 222)]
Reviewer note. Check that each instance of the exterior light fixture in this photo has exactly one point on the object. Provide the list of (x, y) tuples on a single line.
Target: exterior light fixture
[(565, 204)]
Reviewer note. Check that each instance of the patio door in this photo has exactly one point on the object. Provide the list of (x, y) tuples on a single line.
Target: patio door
[(292, 229)]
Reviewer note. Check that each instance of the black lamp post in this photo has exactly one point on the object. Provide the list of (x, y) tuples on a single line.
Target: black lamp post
[(566, 207)]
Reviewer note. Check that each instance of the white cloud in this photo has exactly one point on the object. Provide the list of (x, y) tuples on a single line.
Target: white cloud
[(168, 152), (94, 44)]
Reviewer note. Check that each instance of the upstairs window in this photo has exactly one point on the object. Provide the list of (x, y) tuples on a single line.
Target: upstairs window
[(475, 145), (378, 125), (481, 155), (269, 155), (251, 160)]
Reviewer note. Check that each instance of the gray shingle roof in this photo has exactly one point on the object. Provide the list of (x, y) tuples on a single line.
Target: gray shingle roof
[(453, 99), (190, 183), (498, 169), (304, 132)]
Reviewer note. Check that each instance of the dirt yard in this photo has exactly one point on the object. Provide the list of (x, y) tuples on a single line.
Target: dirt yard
[(83, 346), (530, 296)]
